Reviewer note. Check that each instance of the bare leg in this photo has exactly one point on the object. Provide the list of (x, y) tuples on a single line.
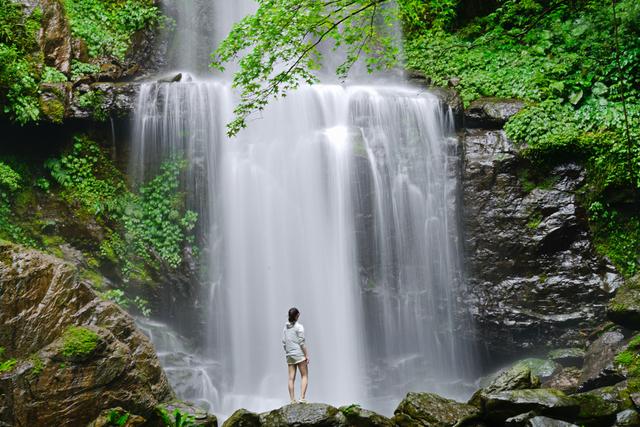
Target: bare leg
[(304, 371), (292, 379)]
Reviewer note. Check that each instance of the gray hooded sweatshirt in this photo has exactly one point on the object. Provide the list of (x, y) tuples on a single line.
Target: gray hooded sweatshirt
[(293, 340)]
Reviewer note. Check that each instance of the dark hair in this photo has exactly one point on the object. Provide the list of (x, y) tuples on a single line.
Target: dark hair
[(293, 314)]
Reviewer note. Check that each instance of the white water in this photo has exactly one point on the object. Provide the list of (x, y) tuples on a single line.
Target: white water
[(340, 201)]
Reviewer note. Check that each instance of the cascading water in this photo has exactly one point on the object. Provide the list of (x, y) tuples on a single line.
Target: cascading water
[(340, 201)]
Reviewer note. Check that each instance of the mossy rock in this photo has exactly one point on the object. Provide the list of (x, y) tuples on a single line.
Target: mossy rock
[(541, 368), (243, 418), (431, 410), (567, 356), (200, 417), (549, 402), (601, 405), (115, 416), (624, 308), (303, 414), (79, 343), (359, 417)]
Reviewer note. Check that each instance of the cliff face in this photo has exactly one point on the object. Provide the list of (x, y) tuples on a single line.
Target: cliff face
[(534, 277), (75, 353)]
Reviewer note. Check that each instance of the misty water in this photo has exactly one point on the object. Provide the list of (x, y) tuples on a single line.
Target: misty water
[(340, 200)]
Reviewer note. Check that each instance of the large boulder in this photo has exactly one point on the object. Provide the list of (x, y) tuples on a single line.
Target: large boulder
[(599, 368), (567, 356), (624, 308), (535, 280), (566, 380), (518, 377), (491, 113), (243, 418), (431, 410), (359, 417), (76, 353), (500, 406), (601, 406), (304, 415)]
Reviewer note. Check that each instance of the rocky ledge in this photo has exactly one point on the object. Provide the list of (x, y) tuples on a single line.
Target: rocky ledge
[(67, 354)]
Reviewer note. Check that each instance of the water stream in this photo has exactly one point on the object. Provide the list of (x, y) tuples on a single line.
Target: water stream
[(340, 200)]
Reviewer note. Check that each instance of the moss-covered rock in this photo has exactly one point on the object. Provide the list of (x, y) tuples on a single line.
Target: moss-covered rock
[(566, 380), (304, 415), (518, 377), (115, 417), (431, 410), (567, 356), (506, 404), (624, 308), (178, 409), (600, 406), (243, 418), (359, 417), (599, 368)]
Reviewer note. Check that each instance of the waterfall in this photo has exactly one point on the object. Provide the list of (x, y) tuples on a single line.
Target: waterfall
[(339, 200)]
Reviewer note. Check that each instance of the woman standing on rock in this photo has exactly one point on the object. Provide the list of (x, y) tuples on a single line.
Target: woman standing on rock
[(296, 353)]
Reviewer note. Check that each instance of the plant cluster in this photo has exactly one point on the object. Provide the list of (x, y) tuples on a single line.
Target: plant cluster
[(177, 418), (119, 297), (10, 181), (107, 26)]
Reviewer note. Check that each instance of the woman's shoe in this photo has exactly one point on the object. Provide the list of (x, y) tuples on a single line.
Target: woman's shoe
[(302, 401), (293, 402)]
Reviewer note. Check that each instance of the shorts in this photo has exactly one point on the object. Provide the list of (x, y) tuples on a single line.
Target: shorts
[(294, 360)]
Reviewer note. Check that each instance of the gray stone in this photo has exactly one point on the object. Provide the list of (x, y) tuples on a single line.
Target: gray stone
[(200, 418), (548, 422), (599, 365), (243, 418), (518, 377), (491, 113), (568, 356), (601, 405), (624, 308), (566, 380), (304, 415), (627, 418)]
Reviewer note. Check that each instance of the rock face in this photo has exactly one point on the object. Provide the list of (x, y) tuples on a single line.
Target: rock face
[(599, 367), (58, 381), (55, 36), (534, 278), (506, 404), (491, 113), (624, 308)]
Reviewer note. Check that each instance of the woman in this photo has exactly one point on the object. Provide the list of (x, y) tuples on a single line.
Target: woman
[(296, 353)]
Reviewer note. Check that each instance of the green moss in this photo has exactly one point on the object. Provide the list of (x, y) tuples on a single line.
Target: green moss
[(79, 342), (8, 365), (53, 109), (2, 351), (37, 365)]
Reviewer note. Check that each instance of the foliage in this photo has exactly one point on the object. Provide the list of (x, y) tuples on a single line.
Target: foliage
[(176, 419), (281, 46), (118, 296), (8, 365), (79, 69), (108, 25), (629, 358), (617, 236), (93, 101), (78, 341), (9, 183), (2, 351), (52, 75), (37, 365), (117, 418), (18, 70)]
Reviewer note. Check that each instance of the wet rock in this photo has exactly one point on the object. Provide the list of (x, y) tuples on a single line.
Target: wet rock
[(55, 35), (40, 298), (548, 422), (303, 414), (568, 356), (178, 408), (506, 404), (243, 418), (599, 366), (624, 308), (627, 418), (600, 406), (541, 368), (534, 278), (566, 380), (359, 417), (518, 377), (171, 78), (99, 101), (491, 113), (428, 409), (451, 99), (108, 416)]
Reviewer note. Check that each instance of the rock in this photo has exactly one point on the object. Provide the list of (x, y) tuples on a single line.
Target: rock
[(243, 418), (624, 308), (55, 35), (506, 404), (540, 368), (491, 113), (98, 101), (518, 377), (184, 409), (359, 417), (428, 409), (548, 422), (599, 366), (627, 418), (107, 417), (302, 415), (171, 78), (566, 380), (534, 278), (568, 356), (54, 382), (451, 100), (601, 405)]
